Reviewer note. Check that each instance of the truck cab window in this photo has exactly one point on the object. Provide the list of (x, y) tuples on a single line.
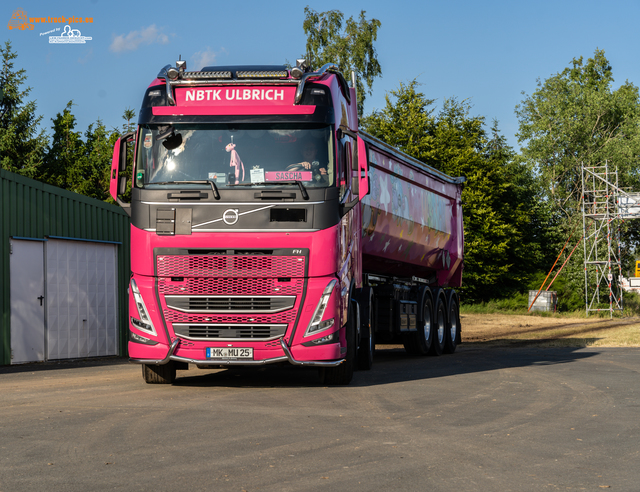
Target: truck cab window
[(239, 154)]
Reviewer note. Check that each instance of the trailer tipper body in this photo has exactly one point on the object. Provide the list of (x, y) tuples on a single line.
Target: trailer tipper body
[(266, 228)]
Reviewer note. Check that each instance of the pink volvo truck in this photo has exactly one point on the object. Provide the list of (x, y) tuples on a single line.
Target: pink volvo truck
[(266, 228)]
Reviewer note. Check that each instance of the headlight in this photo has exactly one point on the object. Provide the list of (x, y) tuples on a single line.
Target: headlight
[(317, 324), (144, 323)]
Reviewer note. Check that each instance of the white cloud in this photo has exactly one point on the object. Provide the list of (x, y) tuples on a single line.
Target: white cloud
[(204, 58), (133, 40)]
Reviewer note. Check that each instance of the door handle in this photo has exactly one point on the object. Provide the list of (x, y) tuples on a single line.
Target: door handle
[(41, 298)]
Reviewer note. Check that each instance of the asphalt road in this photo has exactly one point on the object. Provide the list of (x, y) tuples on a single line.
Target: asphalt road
[(483, 419)]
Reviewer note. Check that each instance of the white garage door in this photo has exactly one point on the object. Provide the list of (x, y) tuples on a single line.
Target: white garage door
[(27, 293), (81, 299)]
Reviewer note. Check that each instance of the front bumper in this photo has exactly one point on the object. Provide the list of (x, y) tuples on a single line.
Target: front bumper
[(287, 357)]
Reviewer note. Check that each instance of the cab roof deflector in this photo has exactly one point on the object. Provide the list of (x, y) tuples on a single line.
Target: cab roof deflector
[(226, 77)]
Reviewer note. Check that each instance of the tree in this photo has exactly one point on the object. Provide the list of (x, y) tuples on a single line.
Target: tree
[(66, 153), (67, 161), (89, 175), (22, 145), (128, 115), (576, 117), (408, 123), (502, 229), (82, 165), (351, 49)]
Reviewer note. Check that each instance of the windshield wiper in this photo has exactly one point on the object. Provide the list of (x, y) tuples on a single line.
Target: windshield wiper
[(303, 190), (214, 188)]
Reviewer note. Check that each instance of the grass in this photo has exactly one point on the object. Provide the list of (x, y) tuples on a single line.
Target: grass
[(506, 322), (560, 331), (506, 307)]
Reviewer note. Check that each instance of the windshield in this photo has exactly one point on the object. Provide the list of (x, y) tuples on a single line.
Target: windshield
[(234, 155)]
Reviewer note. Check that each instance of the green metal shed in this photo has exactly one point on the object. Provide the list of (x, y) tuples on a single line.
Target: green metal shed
[(81, 247)]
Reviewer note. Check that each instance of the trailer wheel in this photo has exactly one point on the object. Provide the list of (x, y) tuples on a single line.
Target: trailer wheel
[(342, 374), (159, 374), (453, 328), (439, 339), (367, 340), (419, 342)]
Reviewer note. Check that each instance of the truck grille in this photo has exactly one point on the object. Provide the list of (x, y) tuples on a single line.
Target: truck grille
[(230, 304), (175, 317), (230, 296), (230, 266), (229, 332)]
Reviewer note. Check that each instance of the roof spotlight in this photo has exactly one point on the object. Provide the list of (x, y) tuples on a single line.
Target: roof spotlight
[(299, 69), (173, 73)]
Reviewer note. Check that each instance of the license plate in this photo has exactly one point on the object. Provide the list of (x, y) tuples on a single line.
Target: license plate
[(229, 353)]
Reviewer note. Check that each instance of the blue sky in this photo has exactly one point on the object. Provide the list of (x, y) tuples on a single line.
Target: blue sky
[(487, 52)]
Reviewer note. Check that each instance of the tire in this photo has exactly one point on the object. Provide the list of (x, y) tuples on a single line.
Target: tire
[(453, 326), (366, 347), (155, 374), (419, 342), (439, 337), (341, 375)]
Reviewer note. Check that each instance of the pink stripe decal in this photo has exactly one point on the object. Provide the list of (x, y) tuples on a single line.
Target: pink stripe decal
[(230, 110)]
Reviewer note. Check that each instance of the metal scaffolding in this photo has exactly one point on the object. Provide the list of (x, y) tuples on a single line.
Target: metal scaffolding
[(604, 207)]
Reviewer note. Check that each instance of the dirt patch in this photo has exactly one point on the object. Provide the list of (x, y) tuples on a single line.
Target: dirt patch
[(501, 329)]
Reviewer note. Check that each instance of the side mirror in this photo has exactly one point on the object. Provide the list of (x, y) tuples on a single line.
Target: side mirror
[(355, 181), (118, 184), (122, 185), (363, 169), (115, 168)]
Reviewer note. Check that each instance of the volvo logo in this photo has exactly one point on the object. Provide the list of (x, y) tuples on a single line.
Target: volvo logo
[(230, 216)]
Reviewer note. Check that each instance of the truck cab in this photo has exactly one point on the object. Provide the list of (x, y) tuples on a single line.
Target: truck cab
[(245, 186)]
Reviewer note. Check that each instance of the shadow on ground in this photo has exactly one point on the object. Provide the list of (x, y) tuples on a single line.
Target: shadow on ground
[(391, 365)]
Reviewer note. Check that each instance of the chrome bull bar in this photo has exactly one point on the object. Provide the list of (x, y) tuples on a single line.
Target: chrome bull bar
[(287, 357)]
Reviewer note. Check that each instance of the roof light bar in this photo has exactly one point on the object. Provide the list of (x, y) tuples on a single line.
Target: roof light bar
[(262, 74), (207, 75)]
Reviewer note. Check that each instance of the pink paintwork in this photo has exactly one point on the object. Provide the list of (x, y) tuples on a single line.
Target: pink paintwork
[(228, 110), (236, 97), (411, 221), (257, 100), (323, 246)]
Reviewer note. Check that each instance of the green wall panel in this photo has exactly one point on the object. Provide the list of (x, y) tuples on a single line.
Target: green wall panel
[(32, 209)]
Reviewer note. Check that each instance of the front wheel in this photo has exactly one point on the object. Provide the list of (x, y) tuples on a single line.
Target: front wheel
[(341, 375), (159, 374)]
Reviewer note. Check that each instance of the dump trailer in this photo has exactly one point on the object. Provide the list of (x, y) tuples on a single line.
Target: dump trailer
[(266, 228)]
